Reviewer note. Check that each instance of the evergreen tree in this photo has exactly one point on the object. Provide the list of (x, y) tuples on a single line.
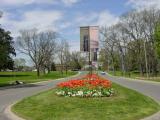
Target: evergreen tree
[(6, 50)]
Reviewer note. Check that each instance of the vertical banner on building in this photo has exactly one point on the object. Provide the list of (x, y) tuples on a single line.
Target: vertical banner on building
[(94, 38), (84, 39), (94, 41), (89, 40)]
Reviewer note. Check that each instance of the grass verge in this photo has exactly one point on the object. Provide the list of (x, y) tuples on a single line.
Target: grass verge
[(135, 76), (125, 105), (29, 77)]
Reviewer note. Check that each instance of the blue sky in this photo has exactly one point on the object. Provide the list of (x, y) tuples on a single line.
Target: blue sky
[(65, 16)]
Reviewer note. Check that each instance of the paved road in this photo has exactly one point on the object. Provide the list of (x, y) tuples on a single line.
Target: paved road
[(151, 89), (10, 95), (148, 88)]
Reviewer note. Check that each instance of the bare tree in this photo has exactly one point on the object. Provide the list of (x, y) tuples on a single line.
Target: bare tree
[(132, 38), (49, 48), (77, 60), (64, 55), (150, 19), (38, 46), (109, 45)]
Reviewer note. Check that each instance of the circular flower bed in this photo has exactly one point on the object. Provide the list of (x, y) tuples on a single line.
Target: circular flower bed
[(89, 86)]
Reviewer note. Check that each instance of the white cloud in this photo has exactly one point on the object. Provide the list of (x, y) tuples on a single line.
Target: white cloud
[(64, 25), (24, 2), (86, 19), (44, 20), (54, 20), (69, 2), (105, 18), (141, 4), (27, 2), (41, 20)]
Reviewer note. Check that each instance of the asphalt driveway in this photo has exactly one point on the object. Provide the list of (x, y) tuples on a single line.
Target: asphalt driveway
[(149, 88), (10, 95)]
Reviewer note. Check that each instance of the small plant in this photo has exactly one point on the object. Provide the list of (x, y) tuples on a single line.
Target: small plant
[(89, 86)]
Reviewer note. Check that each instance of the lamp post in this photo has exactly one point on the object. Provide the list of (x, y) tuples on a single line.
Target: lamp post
[(89, 52)]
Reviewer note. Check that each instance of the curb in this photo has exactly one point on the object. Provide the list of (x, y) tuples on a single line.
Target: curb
[(9, 114), (57, 79), (131, 79), (12, 116), (47, 80), (154, 116)]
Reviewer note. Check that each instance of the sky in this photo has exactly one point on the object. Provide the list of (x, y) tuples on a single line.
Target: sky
[(65, 16)]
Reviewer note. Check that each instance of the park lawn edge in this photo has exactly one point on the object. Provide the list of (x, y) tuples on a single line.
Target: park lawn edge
[(35, 80), (132, 77), (146, 98)]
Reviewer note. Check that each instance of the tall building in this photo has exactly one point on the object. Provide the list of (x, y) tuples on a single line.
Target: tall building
[(89, 40)]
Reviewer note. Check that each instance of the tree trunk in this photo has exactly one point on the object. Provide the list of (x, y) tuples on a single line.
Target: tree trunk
[(146, 61), (49, 70), (44, 72), (61, 69), (38, 71), (66, 69)]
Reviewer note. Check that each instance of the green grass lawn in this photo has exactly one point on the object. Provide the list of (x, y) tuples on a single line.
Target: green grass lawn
[(125, 105), (7, 77), (135, 75), (119, 73)]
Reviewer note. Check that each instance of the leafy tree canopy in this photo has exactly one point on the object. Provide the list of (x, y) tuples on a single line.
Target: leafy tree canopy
[(157, 39), (6, 50)]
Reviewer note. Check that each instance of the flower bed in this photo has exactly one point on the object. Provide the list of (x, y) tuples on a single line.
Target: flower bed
[(89, 86)]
